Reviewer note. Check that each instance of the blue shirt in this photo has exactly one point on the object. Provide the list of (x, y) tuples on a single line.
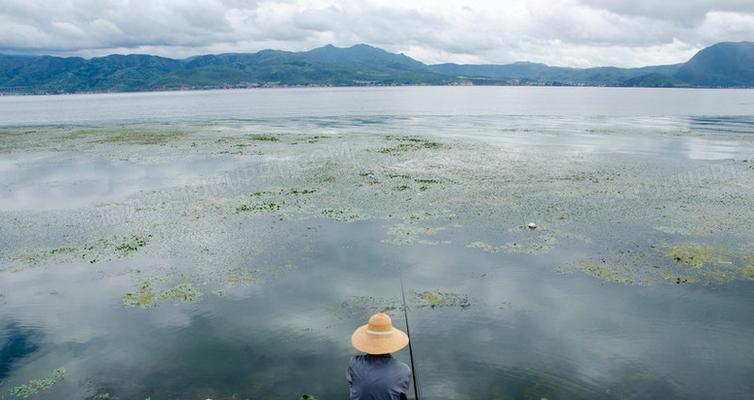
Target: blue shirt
[(378, 377)]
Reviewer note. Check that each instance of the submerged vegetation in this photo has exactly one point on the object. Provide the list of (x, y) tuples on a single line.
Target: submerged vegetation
[(219, 240), (99, 250), (684, 263), (184, 292), (408, 144), (143, 298), (435, 299), (37, 386)]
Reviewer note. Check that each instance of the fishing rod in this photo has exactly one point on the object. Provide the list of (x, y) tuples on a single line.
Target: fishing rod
[(408, 333)]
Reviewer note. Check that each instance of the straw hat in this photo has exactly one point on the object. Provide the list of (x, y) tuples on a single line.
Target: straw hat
[(379, 336)]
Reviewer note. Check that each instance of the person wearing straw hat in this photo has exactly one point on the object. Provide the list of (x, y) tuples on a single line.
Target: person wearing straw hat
[(376, 375)]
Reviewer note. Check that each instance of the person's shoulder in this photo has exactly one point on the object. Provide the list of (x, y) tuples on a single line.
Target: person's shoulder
[(356, 359), (403, 366)]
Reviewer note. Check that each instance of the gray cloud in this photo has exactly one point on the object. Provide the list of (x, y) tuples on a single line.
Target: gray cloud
[(565, 32)]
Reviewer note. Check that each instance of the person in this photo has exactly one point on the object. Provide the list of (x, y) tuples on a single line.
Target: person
[(376, 375)]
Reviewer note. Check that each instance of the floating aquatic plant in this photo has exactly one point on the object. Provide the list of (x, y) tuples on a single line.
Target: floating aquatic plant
[(695, 255), (240, 278), (131, 244), (340, 214), (36, 386), (604, 273), (435, 299), (482, 246), (183, 292), (263, 207), (143, 298), (406, 234), (263, 138), (409, 143)]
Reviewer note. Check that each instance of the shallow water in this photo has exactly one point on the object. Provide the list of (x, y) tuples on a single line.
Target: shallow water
[(234, 259)]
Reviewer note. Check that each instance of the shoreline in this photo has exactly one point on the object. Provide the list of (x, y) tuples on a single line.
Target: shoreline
[(164, 90)]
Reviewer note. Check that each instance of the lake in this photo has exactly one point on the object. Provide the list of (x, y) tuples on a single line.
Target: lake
[(225, 244)]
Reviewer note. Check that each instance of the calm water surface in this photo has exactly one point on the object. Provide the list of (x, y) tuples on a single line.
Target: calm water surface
[(530, 332)]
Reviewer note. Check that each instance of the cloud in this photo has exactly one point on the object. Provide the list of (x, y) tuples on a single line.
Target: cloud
[(564, 32)]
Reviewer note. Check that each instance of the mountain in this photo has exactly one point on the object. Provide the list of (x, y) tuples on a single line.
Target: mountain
[(527, 72), (326, 66), (724, 64)]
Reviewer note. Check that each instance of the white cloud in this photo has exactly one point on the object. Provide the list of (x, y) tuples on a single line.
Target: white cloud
[(564, 32)]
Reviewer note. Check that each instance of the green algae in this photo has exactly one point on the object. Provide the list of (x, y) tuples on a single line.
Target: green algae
[(103, 249), (138, 135), (604, 273), (262, 207), (271, 201), (483, 246), (364, 306), (679, 264), (433, 299), (678, 279), (263, 138), (40, 256), (185, 292), (403, 234), (436, 299), (341, 214), (533, 244), (489, 189), (409, 144), (132, 244), (37, 386), (241, 278), (695, 255), (143, 298)]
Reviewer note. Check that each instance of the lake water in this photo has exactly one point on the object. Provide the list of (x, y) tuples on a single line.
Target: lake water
[(224, 244)]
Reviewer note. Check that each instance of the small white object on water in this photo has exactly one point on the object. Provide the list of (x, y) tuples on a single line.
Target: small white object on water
[(532, 225)]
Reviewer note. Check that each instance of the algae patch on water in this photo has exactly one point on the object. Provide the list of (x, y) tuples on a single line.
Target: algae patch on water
[(146, 295), (262, 137), (684, 263), (341, 214), (240, 278), (707, 264), (483, 246), (696, 255), (185, 292), (261, 207), (406, 234), (271, 201), (408, 144), (364, 306), (104, 249), (605, 273), (142, 298), (37, 386), (435, 299), (139, 135), (131, 244)]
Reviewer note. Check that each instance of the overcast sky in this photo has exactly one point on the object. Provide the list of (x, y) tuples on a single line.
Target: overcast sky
[(557, 32)]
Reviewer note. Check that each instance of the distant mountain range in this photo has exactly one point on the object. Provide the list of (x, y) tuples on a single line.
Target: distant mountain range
[(721, 65)]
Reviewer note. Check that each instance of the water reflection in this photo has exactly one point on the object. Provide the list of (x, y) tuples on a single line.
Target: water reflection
[(530, 331), (16, 343), (52, 181)]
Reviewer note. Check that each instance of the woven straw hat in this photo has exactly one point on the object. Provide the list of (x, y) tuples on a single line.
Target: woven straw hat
[(379, 336)]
